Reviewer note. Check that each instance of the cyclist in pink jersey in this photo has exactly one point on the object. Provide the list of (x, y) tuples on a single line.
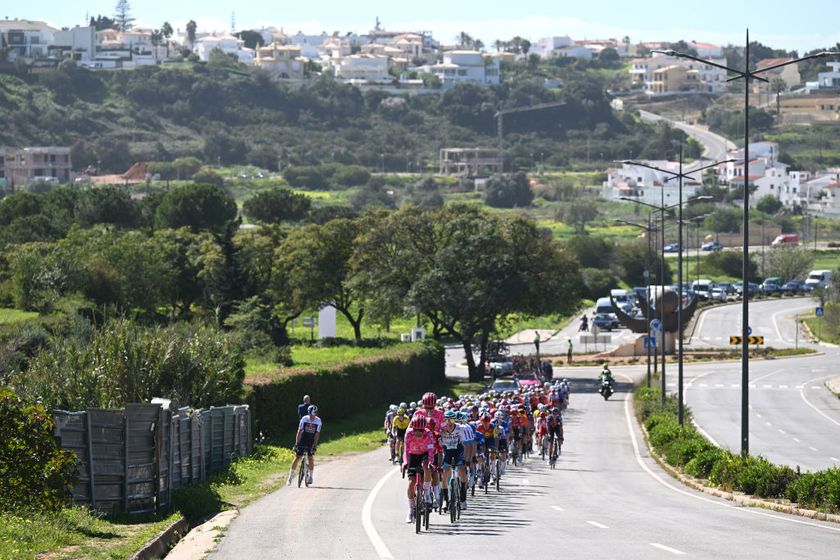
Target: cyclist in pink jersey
[(435, 422), (418, 453)]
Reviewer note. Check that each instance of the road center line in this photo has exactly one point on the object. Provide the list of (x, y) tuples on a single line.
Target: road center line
[(596, 524), (666, 484), (812, 448), (381, 550), (558, 508), (797, 440), (835, 459), (666, 548)]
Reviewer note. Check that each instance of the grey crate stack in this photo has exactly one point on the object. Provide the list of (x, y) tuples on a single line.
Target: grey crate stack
[(132, 459)]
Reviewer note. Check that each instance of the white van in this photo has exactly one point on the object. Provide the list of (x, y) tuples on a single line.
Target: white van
[(603, 305), (702, 288), (819, 278)]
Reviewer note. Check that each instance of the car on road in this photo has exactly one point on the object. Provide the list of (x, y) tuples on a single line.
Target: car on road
[(672, 248), (500, 365), (606, 321), (794, 287), (711, 246), (785, 239), (505, 384)]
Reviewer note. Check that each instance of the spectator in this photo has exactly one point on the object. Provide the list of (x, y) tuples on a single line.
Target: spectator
[(569, 353), (303, 409)]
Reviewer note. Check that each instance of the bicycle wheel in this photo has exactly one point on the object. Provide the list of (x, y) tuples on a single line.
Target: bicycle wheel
[(301, 470), (419, 503), (458, 497), (498, 474), (427, 511), (453, 498), (306, 476)]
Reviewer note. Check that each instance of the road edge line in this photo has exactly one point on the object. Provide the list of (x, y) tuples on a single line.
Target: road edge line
[(377, 542)]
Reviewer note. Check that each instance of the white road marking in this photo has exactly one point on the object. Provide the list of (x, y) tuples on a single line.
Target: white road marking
[(381, 550), (821, 413), (769, 425), (558, 508), (666, 548), (800, 386), (767, 386), (781, 431), (815, 387), (596, 524), (697, 496), (835, 459), (812, 448), (796, 439), (783, 386), (719, 385), (703, 385), (757, 414), (735, 385), (751, 407), (526, 481)]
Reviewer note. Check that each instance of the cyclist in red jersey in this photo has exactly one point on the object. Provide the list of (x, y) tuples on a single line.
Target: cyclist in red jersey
[(435, 421), (417, 454)]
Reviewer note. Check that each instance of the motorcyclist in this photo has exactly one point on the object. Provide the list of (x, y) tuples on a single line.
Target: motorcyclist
[(584, 323), (606, 375)]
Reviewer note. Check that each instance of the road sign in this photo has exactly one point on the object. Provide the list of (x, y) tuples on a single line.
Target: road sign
[(309, 322), (749, 330), (656, 324), (650, 342), (820, 311), (750, 339)]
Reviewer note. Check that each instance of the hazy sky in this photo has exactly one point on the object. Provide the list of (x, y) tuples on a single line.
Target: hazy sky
[(804, 25)]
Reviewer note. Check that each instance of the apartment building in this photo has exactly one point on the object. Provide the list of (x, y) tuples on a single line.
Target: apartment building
[(26, 39), (19, 167), (464, 67), (281, 61), (649, 185), (666, 75), (363, 67)]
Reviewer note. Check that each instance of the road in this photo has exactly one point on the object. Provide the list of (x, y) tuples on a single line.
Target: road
[(794, 419), (715, 146), (607, 499)]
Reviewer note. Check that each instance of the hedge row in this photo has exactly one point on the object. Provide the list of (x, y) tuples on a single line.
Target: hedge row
[(684, 448), (339, 391)]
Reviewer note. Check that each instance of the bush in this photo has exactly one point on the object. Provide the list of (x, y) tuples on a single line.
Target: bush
[(125, 363), (34, 473), (339, 391), (508, 191), (703, 461), (816, 490)]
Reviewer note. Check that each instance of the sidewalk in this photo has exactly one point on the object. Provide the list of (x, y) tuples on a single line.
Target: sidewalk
[(527, 336)]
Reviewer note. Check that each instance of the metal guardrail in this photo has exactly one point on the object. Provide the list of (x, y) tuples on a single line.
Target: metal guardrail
[(132, 459)]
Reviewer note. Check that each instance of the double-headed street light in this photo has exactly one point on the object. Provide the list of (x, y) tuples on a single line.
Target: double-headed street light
[(748, 76)]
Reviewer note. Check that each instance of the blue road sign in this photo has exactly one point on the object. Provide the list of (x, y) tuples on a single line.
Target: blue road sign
[(749, 330), (650, 342), (656, 324), (820, 311)]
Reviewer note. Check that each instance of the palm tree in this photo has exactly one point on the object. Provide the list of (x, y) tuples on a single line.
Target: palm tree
[(167, 31), (464, 40), (157, 39)]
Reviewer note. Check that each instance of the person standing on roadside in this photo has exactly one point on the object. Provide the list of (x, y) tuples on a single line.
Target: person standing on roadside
[(569, 353), (303, 408)]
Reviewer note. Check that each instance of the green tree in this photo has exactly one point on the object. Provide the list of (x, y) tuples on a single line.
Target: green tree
[(590, 251), (253, 39), (788, 261), (106, 205), (122, 15), (192, 27), (508, 191), (768, 204), (277, 205), (198, 207), (186, 167), (724, 220), (578, 214), (318, 266)]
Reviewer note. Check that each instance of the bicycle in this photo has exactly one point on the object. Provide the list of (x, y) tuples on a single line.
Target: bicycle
[(498, 466), (544, 446), (454, 501), (303, 472), (421, 510), (486, 474), (555, 452), (400, 445)]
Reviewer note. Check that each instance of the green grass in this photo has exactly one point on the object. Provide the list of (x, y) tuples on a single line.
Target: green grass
[(820, 330), (76, 533), (9, 316)]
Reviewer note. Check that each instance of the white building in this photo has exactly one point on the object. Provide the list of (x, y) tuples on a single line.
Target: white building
[(767, 174), (667, 75), (228, 44), (78, 43), (26, 39), (706, 50), (547, 46), (830, 79), (281, 61), (464, 67), (363, 67), (309, 45), (649, 185)]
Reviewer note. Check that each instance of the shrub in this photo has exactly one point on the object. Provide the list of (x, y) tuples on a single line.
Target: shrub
[(725, 472), (34, 473), (684, 449), (816, 490), (704, 460), (359, 385)]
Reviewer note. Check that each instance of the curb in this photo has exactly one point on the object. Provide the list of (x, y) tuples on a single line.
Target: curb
[(158, 546), (738, 498), (833, 385)]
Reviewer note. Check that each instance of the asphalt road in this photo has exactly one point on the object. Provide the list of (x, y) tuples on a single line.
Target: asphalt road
[(715, 146), (794, 419), (607, 499)]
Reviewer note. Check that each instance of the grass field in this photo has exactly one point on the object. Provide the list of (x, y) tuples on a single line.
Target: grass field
[(10, 316)]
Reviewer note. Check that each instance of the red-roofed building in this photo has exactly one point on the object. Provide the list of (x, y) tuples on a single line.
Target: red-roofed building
[(789, 74)]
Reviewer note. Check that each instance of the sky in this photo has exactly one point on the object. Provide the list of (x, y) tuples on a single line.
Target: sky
[(801, 25)]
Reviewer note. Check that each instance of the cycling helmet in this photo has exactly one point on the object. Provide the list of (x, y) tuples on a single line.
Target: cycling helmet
[(418, 422), (413, 405), (462, 416), (312, 409), (498, 414), (429, 400), (486, 417), (555, 409), (450, 414), (403, 405), (392, 408)]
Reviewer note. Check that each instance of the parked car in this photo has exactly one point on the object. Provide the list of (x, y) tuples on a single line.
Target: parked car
[(771, 286), (794, 287), (753, 288), (606, 321), (728, 288), (819, 278), (500, 365), (528, 380), (672, 248), (702, 288), (718, 294), (711, 246)]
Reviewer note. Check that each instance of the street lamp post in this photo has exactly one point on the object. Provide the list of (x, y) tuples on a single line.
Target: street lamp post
[(748, 76)]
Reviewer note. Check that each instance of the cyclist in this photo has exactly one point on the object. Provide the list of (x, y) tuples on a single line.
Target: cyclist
[(399, 426), (542, 428), (555, 427), (434, 422), (504, 422), (489, 430), (306, 440), (454, 437), (389, 432), (418, 454)]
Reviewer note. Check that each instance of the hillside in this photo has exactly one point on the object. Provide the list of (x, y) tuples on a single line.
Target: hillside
[(235, 115)]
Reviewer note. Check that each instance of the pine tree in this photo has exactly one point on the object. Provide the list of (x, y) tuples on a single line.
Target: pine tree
[(123, 15)]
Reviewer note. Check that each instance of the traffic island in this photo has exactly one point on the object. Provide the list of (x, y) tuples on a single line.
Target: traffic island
[(833, 385)]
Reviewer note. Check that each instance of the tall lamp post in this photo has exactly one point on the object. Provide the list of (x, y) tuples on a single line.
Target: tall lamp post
[(748, 76), (649, 230)]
